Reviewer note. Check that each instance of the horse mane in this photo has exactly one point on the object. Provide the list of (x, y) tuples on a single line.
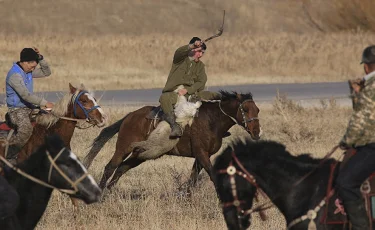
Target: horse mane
[(226, 96), (59, 110), (271, 151)]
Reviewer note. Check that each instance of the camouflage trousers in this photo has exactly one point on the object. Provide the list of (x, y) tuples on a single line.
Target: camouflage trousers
[(20, 117), (169, 99)]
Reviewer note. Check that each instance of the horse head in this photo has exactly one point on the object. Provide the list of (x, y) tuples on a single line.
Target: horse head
[(234, 190), (67, 173), (246, 111), (86, 107)]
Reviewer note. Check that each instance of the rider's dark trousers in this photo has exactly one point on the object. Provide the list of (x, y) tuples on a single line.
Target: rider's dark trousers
[(358, 168), (8, 199)]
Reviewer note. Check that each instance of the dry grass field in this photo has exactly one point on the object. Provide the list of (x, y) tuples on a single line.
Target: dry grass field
[(148, 197), (130, 44)]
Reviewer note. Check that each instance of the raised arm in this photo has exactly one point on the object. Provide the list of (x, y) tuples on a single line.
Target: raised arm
[(181, 53), (43, 71)]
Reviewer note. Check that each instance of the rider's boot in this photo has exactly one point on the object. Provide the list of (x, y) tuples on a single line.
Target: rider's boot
[(176, 129), (357, 214)]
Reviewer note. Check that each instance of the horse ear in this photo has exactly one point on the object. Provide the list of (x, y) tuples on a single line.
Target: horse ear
[(83, 86), (72, 89), (239, 96)]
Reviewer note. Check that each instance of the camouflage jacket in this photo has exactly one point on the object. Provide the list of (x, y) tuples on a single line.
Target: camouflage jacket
[(361, 128), (186, 72)]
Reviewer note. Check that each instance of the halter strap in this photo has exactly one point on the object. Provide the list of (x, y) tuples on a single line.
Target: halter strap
[(232, 171), (53, 165), (75, 100)]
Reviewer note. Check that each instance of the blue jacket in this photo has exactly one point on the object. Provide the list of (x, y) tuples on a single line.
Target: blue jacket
[(12, 98)]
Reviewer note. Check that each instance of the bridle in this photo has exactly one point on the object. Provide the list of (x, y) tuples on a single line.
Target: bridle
[(245, 121), (86, 111), (75, 101), (232, 171), (73, 184)]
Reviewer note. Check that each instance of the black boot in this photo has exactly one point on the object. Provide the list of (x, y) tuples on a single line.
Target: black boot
[(357, 214), (176, 129)]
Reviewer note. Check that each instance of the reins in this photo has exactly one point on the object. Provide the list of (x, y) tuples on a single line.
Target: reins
[(75, 101), (239, 109), (53, 166)]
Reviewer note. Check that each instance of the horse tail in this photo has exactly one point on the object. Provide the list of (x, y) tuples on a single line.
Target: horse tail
[(105, 135)]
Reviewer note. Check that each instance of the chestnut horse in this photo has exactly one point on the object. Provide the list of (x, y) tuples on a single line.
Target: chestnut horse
[(201, 140), (74, 106)]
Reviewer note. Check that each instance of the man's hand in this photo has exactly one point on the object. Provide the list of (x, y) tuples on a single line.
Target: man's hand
[(196, 46), (38, 52), (357, 84), (49, 105), (182, 92)]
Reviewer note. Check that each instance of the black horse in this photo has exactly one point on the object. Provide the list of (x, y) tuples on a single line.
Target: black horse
[(56, 166), (277, 173)]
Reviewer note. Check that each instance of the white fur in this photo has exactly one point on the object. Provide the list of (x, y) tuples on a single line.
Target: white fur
[(104, 116), (184, 110), (74, 157), (157, 144)]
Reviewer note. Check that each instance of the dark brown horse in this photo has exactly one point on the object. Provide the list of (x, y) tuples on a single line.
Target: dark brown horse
[(201, 140), (74, 106)]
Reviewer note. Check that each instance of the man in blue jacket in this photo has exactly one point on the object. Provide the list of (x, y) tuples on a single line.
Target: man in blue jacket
[(19, 93)]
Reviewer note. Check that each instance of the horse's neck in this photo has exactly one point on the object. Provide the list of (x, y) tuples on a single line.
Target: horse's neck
[(65, 129), (33, 204), (224, 122), (34, 198), (293, 200)]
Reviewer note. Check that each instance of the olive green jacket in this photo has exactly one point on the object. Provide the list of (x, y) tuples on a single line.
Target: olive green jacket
[(186, 72)]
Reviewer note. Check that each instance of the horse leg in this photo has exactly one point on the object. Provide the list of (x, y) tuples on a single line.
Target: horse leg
[(197, 167), (112, 165), (204, 160), (122, 169)]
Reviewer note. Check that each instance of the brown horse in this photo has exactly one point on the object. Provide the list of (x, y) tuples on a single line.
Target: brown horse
[(74, 106), (201, 140)]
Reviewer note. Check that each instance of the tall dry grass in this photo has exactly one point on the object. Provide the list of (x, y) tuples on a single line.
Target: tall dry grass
[(148, 197), (128, 62), (130, 44)]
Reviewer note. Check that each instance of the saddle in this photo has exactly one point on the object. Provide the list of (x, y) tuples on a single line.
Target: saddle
[(155, 114), (334, 213)]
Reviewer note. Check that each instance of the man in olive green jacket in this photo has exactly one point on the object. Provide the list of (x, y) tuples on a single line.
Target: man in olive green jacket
[(187, 70)]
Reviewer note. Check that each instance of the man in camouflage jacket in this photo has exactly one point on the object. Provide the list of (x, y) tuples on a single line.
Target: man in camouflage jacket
[(360, 135), (187, 70)]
